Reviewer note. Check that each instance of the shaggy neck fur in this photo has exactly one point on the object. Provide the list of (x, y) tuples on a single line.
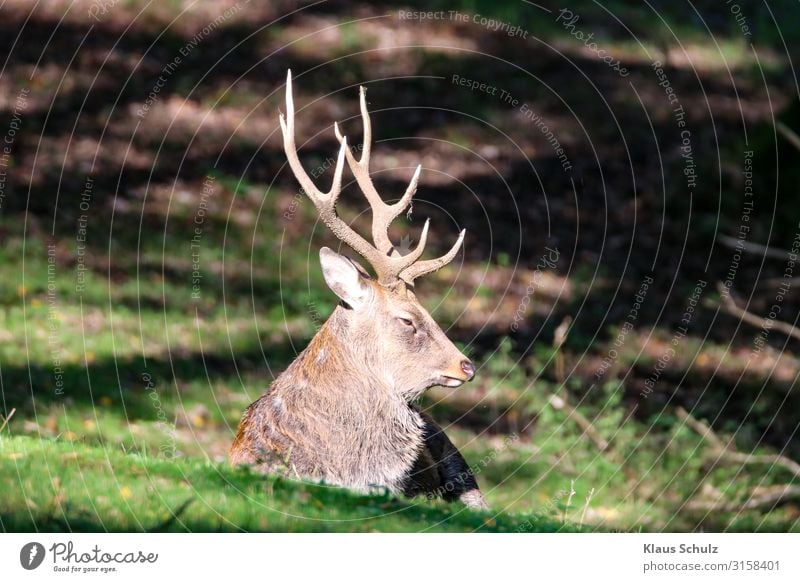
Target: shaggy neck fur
[(350, 421)]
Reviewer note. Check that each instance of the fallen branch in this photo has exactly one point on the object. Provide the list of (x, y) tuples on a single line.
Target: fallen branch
[(729, 305), (774, 282), (723, 452), (753, 248), (728, 453)]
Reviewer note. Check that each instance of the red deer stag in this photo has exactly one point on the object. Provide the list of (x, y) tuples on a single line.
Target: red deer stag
[(342, 412)]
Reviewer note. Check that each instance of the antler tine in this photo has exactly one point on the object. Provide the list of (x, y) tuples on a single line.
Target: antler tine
[(416, 270), (382, 213), (398, 207), (324, 202), (360, 169), (367, 123)]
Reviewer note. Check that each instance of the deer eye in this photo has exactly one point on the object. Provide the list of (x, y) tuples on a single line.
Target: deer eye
[(406, 322)]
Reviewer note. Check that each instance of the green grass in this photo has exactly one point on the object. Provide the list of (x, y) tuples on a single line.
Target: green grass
[(51, 485), (144, 383), (154, 385)]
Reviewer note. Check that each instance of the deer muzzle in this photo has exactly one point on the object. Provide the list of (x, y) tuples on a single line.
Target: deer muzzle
[(456, 377)]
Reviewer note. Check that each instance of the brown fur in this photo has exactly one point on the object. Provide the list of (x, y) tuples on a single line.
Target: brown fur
[(341, 411)]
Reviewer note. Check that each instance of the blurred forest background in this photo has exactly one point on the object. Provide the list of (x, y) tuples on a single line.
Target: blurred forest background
[(628, 284)]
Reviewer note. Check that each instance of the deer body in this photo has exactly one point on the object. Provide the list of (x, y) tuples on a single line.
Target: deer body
[(342, 412), (322, 419)]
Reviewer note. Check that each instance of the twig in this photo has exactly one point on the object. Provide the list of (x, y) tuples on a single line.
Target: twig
[(560, 403), (57, 502), (753, 248), (5, 422), (750, 459), (559, 337), (770, 500), (569, 500), (586, 506), (788, 133), (172, 518), (773, 282), (729, 305), (700, 428)]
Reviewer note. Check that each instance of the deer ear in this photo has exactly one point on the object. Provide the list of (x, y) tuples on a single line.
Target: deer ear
[(345, 278)]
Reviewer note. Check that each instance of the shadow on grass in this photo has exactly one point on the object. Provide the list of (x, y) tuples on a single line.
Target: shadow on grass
[(198, 497)]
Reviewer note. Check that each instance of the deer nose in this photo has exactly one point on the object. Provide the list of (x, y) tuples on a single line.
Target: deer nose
[(468, 368)]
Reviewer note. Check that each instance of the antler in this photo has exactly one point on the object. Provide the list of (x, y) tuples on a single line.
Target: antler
[(389, 265)]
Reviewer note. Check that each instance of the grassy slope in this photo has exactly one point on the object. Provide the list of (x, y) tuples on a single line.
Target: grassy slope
[(61, 486), (205, 370)]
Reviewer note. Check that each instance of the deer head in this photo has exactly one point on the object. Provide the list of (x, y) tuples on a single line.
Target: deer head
[(380, 322)]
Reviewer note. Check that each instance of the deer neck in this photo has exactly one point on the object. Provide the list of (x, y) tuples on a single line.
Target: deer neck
[(343, 374), (339, 358), (338, 380)]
